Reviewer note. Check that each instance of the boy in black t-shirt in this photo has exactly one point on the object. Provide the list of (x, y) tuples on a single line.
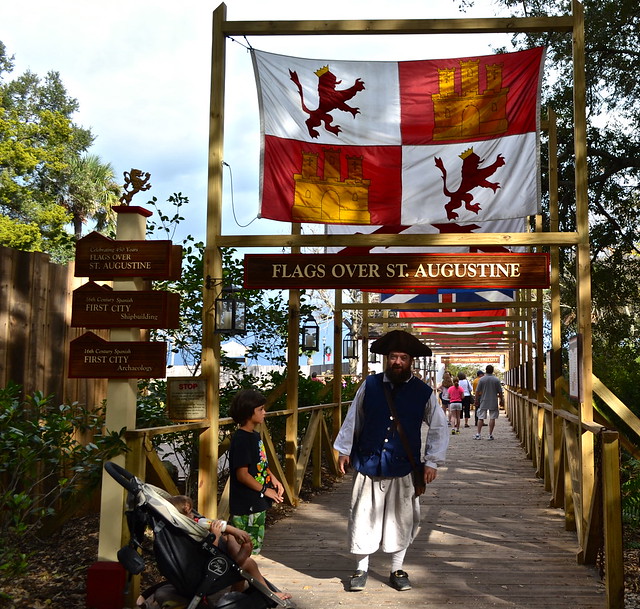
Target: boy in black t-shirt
[(252, 485)]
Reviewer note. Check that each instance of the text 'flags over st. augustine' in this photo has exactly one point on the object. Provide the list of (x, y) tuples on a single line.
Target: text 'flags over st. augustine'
[(400, 143)]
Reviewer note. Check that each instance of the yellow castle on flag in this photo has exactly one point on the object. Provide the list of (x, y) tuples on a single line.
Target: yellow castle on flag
[(327, 198), (469, 113)]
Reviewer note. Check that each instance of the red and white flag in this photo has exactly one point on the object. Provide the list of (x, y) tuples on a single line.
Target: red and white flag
[(399, 143)]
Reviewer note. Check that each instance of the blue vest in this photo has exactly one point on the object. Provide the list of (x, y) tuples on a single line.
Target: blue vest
[(378, 449)]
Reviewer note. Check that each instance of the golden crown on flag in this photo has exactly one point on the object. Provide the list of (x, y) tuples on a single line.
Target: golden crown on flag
[(466, 153), (321, 71)]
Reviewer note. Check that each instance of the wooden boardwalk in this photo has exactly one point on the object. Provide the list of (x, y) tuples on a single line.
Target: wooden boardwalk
[(488, 539)]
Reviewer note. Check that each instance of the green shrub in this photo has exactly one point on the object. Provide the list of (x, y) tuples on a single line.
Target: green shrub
[(43, 465)]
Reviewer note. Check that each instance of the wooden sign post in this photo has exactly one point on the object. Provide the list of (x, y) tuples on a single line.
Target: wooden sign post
[(130, 261)]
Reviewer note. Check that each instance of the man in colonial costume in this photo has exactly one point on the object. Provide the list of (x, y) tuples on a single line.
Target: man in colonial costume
[(380, 438)]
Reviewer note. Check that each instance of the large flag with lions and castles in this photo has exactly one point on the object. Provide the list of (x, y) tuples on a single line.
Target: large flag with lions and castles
[(399, 143)]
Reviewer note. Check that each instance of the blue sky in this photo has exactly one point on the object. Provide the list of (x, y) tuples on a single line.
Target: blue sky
[(140, 71)]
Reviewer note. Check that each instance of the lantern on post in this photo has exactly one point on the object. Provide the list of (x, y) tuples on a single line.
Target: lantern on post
[(350, 347), (310, 334), (230, 310)]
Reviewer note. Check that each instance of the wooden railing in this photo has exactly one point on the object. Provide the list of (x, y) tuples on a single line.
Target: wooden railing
[(143, 461), (551, 438)]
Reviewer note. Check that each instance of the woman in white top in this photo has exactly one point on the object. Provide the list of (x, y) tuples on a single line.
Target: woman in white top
[(466, 401)]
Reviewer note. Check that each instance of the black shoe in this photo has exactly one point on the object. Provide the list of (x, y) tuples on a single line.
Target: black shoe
[(400, 580), (358, 581)]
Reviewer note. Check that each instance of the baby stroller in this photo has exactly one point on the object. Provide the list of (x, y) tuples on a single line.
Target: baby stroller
[(184, 551)]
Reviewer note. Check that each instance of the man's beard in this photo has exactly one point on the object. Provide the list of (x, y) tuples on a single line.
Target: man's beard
[(398, 374)]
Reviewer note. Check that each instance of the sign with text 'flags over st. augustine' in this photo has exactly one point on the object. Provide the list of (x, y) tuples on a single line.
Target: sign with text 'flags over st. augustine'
[(399, 143)]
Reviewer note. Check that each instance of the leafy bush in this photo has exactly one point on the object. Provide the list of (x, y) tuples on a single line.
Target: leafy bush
[(43, 464), (630, 491)]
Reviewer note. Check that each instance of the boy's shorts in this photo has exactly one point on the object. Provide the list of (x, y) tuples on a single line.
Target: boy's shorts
[(254, 525), (482, 413)]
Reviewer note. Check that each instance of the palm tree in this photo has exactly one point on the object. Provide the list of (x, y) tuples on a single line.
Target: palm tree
[(91, 192)]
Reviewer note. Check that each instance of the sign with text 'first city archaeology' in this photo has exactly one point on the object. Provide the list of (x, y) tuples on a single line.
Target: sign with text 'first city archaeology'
[(92, 357), (100, 257), (399, 271)]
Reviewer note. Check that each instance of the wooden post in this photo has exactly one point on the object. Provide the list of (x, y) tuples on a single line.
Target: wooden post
[(583, 259), (612, 516), (212, 271), (555, 437), (121, 406), (293, 355), (337, 363)]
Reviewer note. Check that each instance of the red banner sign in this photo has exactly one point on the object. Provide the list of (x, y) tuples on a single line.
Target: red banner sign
[(396, 271)]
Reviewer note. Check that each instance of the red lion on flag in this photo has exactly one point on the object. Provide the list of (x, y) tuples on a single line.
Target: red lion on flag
[(329, 98), (472, 176)]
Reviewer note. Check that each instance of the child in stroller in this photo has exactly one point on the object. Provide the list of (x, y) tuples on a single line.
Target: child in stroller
[(235, 542), (187, 554)]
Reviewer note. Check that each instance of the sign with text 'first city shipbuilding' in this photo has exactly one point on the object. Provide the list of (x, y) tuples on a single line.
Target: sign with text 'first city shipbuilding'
[(398, 271), (95, 306)]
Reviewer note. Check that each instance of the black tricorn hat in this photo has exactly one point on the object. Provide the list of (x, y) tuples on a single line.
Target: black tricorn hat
[(399, 340)]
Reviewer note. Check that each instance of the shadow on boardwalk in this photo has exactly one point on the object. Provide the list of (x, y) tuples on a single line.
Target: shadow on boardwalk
[(488, 539)]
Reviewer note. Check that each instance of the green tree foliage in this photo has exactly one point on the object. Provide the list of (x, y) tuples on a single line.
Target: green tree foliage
[(46, 178), (612, 60), (90, 192), (267, 312), (42, 463)]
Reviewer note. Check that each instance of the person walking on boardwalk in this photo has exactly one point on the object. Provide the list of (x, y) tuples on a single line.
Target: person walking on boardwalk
[(380, 438), (488, 394), (476, 380), (444, 394), (456, 396), (466, 400)]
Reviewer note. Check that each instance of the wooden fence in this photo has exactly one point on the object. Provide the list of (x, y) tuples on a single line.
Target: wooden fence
[(551, 438), (35, 328)]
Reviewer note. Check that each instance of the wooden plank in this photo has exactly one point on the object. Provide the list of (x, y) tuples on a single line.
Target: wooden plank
[(18, 319), (306, 448), (613, 402), (332, 455), (7, 261), (274, 465), (394, 26), (379, 240), (37, 315), (613, 540), (157, 473), (487, 539)]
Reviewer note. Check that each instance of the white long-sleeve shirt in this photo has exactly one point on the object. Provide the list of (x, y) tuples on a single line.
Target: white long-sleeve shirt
[(437, 440)]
